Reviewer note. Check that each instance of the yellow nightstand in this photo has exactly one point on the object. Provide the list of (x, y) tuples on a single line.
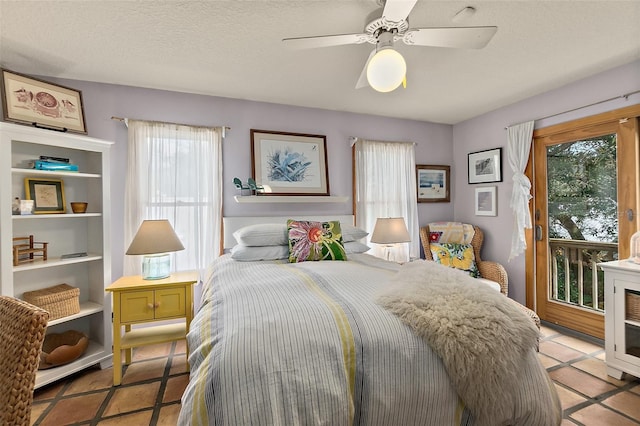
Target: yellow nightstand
[(137, 301)]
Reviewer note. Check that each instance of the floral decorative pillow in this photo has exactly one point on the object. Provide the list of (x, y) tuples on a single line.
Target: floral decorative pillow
[(459, 256), (315, 241)]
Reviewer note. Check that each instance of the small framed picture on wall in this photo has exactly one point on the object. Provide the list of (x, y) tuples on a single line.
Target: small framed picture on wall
[(485, 166), (486, 201), (433, 183)]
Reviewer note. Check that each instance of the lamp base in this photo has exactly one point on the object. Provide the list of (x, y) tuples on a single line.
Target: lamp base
[(157, 266)]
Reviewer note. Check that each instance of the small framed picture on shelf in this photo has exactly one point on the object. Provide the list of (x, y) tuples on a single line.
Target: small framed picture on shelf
[(47, 194), (432, 183), (485, 166), (486, 201)]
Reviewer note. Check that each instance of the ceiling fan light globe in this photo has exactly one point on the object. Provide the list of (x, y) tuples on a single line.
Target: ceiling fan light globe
[(386, 70)]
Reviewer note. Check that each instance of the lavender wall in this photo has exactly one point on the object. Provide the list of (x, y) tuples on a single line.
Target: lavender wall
[(488, 131), (435, 144), (102, 101)]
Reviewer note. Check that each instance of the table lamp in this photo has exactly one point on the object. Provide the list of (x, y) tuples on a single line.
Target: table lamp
[(155, 239), (389, 231)]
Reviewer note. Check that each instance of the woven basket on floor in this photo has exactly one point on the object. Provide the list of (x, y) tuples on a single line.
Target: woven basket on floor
[(60, 301), (632, 302)]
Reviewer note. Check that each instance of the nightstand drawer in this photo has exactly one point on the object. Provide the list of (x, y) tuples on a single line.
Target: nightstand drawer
[(152, 305), (136, 306), (170, 303)]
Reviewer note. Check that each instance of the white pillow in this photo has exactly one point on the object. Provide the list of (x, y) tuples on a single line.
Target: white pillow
[(249, 253), (355, 247), (276, 234), (351, 233), (265, 234)]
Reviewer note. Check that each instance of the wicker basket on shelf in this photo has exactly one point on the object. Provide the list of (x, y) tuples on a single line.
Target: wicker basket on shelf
[(632, 302), (60, 300)]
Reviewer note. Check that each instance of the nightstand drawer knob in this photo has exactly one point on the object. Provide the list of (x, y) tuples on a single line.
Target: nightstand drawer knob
[(150, 305)]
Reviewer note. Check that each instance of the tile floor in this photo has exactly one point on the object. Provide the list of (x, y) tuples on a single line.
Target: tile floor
[(589, 397), (149, 395), (153, 384)]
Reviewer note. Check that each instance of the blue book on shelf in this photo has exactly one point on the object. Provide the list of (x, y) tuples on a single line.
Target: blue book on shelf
[(53, 165)]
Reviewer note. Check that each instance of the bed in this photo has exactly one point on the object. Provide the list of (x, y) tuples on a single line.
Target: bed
[(332, 343)]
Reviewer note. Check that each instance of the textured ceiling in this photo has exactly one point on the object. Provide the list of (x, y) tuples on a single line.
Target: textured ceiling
[(234, 49)]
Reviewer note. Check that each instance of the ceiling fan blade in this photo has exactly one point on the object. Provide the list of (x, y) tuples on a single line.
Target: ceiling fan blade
[(362, 81), (397, 10), (326, 41), (461, 37)]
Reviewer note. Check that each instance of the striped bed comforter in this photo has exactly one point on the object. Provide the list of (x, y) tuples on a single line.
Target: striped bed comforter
[(276, 343)]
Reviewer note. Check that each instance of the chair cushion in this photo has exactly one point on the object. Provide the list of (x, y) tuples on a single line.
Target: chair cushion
[(450, 232), (494, 285), (459, 256)]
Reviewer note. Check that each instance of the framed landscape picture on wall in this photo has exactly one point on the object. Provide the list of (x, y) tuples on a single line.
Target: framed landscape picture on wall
[(485, 166), (433, 183), (289, 163)]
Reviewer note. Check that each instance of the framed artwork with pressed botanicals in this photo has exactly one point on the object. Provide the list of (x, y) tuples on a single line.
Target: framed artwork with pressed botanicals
[(289, 163)]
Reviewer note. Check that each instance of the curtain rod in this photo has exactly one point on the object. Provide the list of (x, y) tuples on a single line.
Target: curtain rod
[(625, 96), (354, 139), (176, 124)]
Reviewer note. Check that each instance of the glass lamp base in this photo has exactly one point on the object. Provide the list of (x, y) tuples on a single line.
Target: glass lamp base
[(155, 267)]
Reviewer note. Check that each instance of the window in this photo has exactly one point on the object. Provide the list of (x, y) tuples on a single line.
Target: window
[(385, 186), (175, 173)]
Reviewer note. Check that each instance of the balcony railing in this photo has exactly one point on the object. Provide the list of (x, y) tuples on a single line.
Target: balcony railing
[(575, 277)]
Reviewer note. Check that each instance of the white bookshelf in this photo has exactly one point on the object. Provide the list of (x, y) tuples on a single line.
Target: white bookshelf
[(65, 233)]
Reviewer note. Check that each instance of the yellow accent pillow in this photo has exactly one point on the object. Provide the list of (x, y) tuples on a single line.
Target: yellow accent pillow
[(459, 256)]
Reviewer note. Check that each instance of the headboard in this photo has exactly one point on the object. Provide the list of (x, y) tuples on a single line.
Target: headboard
[(233, 223)]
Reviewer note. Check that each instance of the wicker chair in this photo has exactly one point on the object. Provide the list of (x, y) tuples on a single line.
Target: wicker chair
[(488, 270), (22, 329)]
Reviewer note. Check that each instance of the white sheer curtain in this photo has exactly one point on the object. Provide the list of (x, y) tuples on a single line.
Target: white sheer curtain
[(519, 139), (175, 172), (385, 175)]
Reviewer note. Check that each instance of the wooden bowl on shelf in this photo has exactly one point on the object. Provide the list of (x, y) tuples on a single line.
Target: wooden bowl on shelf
[(78, 207)]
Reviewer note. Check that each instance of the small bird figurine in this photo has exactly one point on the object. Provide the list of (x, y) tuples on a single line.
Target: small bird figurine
[(239, 185)]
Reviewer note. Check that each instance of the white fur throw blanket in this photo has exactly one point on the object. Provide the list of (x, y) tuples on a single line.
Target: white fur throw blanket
[(481, 338)]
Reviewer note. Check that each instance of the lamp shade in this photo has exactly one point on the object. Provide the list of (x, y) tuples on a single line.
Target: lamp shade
[(386, 70), (155, 236), (390, 230)]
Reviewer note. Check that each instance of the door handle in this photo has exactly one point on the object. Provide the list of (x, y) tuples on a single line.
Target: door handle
[(538, 233)]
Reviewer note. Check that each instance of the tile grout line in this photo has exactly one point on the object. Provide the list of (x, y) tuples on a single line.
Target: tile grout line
[(163, 385)]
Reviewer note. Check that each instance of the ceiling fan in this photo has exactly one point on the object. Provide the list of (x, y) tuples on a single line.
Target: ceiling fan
[(385, 68)]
